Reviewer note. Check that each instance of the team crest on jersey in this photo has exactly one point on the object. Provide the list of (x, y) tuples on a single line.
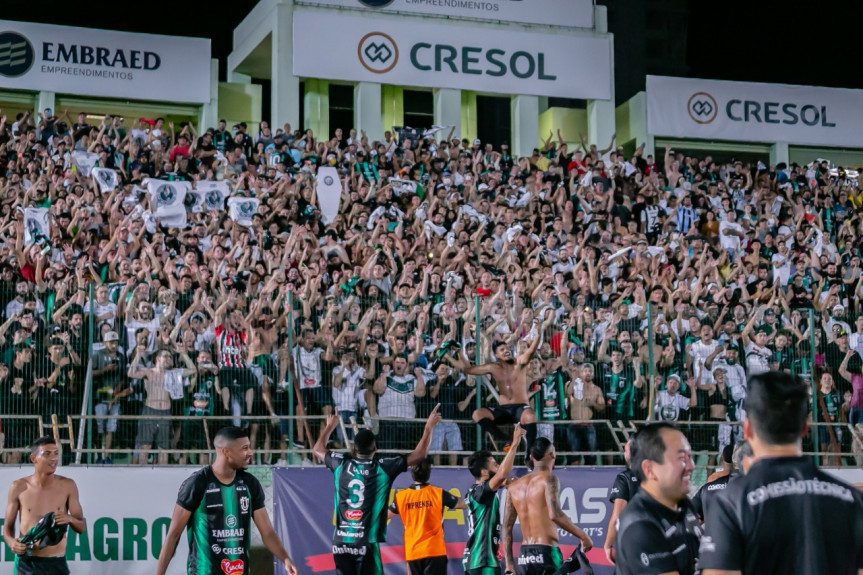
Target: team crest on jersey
[(244, 504), (235, 567), (354, 514)]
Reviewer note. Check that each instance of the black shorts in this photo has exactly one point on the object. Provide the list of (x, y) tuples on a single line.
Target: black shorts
[(27, 565), (357, 559), (538, 560), (428, 566), (237, 377), (510, 413), (178, 409), (315, 398), (193, 436)]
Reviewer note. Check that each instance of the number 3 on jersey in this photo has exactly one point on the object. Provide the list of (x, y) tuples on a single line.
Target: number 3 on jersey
[(356, 488)]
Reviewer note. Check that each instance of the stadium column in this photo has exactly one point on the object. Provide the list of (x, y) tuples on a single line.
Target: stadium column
[(316, 108), (447, 110), (209, 112), (368, 113), (285, 89), (779, 153), (46, 100), (525, 124), (601, 113)]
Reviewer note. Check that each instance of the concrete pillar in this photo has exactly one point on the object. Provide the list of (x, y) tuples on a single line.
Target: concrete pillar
[(285, 88), (317, 108), (237, 78), (367, 110), (525, 125), (779, 153), (392, 106), (45, 100), (600, 113), (208, 116), (447, 111), (468, 115)]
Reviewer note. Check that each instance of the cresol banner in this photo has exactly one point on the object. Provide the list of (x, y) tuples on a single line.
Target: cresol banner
[(389, 49), (128, 511), (745, 111), (104, 63), (303, 516)]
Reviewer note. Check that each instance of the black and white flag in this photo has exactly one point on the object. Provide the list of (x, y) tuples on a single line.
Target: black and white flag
[(84, 162), (36, 224), (167, 201), (106, 178), (242, 210)]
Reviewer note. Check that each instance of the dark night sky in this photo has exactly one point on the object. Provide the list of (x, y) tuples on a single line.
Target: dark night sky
[(754, 40)]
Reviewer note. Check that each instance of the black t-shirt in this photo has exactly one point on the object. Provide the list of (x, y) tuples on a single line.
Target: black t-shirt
[(785, 516), (709, 491), (221, 520), (625, 486), (653, 539)]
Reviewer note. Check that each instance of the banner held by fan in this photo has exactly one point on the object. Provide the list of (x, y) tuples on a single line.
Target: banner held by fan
[(210, 196), (168, 200), (84, 162), (329, 192), (36, 224), (106, 178), (242, 210)]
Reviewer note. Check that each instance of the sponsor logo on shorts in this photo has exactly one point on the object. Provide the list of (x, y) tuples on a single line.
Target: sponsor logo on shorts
[(531, 559), (345, 550), (235, 567), (354, 514)]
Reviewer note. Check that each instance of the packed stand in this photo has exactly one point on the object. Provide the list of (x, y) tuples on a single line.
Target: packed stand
[(201, 276)]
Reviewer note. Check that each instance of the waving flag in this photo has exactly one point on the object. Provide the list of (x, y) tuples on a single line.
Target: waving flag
[(242, 210), (168, 200), (207, 197), (36, 224), (84, 162), (106, 178)]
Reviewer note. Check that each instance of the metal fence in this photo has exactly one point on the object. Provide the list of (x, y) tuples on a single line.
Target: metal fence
[(135, 374)]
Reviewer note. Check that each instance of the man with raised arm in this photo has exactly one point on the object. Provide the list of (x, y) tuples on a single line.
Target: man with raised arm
[(363, 483), (510, 375), (535, 500)]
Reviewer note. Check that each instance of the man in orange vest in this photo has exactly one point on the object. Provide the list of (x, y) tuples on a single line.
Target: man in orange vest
[(421, 508)]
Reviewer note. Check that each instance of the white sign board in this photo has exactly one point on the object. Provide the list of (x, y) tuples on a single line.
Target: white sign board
[(754, 112), (461, 56), (570, 13), (104, 63)]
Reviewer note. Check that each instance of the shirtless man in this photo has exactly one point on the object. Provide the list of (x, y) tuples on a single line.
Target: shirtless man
[(510, 375), (585, 398), (535, 498), (158, 402), (35, 496)]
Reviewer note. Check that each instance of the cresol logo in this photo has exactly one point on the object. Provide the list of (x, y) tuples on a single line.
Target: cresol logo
[(702, 108), (378, 52)]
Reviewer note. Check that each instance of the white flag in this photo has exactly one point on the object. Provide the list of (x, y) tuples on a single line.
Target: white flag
[(434, 130), (36, 224), (106, 178), (329, 192), (168, 200), (242, 210), (400, 186), (84, 161), (208, 197)]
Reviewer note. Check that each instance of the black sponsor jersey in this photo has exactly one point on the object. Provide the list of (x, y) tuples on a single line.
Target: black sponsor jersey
[(709, 491), (625, 486), (483, 527), (785, 516), (362, 493), (653, 539), (219, 528)]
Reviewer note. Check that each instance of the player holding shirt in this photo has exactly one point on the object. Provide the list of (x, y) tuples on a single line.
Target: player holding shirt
[(218, 504)]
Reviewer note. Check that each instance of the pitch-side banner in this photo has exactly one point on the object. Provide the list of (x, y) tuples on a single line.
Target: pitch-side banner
[(303, 516), (104, 63), (571, 13), (743, 111), (388, 50)]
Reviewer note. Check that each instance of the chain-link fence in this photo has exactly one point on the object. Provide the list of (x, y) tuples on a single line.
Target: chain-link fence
[(140, 373)]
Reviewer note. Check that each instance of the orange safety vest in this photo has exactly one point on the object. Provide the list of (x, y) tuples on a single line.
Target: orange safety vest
[(421, 510)]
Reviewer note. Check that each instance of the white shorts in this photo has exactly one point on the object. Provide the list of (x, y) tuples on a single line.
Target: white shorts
[(446, 430), (111, 423)]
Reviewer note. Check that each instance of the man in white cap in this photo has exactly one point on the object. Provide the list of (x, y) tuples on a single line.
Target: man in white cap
[(669, 401), (109, 366)]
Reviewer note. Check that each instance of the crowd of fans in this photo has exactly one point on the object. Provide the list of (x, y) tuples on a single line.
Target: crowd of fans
[(198, 321)]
